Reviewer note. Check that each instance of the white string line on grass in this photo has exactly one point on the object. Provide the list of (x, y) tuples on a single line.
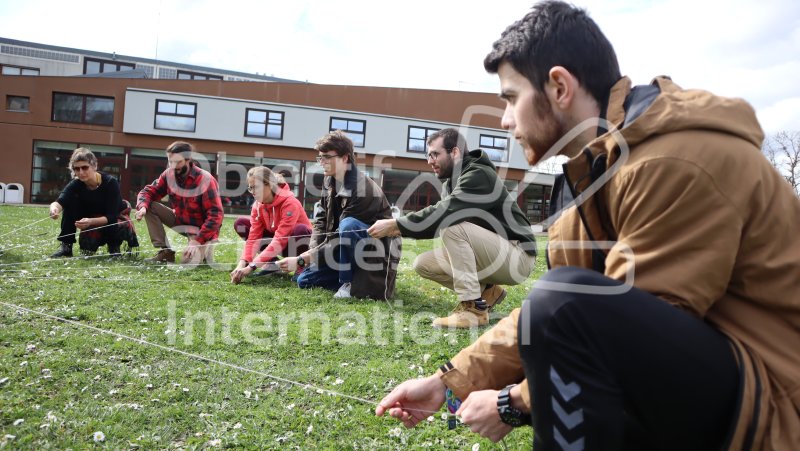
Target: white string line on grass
[(123, 279), (66, 234), (140, 341), (179, 248), (24, 227)]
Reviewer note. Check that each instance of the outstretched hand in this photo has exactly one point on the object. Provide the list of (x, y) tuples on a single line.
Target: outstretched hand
[(384, 227), (55, 210), (413, 400), (140, 213)]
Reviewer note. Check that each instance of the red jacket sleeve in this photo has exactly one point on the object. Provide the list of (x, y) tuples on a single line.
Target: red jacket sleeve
[(152, 192), (255, 235)]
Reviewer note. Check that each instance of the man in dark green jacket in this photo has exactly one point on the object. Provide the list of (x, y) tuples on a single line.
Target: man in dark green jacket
[(487, 240)]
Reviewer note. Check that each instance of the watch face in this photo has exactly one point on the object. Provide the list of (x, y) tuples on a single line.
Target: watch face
[(511, 416)]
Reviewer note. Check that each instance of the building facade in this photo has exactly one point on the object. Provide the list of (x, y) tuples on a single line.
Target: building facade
[(235, 125)]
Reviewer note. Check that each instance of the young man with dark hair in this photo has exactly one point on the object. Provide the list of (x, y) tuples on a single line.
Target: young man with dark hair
[(694, 347), (486, 239), (351, 202), (195, 206)]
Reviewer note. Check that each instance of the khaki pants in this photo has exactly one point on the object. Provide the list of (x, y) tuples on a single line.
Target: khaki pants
[(471, 257), (158, 216)]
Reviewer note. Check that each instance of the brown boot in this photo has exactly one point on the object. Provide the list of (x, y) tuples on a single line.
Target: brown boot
[(164, 255), (465, 316), (493, 295)]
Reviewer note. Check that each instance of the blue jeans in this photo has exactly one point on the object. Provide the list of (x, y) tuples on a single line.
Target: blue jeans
[(351, 231)]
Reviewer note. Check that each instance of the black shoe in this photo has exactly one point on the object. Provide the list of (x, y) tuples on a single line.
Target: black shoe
[(269, 268), (113, 250), (64, 251)]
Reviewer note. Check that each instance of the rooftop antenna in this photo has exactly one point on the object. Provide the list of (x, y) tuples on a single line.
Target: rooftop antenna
[(158, 28)]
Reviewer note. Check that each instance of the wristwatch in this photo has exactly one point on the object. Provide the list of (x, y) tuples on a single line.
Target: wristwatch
[(508, 414), (253, 266), (301, 262)]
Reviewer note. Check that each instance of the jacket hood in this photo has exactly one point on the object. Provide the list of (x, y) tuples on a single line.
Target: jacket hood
[(280, 197), (473, 156), (672, 109)]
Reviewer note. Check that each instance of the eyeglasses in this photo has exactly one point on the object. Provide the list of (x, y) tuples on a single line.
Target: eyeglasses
[(325, 157), (80, 168), (431, 156), (434, 154)]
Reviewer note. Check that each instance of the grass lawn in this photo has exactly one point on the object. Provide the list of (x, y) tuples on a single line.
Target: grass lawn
[(63, 384)]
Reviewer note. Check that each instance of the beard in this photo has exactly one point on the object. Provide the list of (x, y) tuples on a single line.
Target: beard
[(549, 130), (446, 169), (182, 171)]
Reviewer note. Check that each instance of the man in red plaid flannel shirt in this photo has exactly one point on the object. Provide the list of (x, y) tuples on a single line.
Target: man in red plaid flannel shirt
[(196, 208)]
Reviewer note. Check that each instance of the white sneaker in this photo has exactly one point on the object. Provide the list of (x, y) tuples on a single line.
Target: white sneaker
[(344, 291)]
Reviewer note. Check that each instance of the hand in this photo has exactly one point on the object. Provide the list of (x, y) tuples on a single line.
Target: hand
[(55, 210), (288, 264), (192, 249), (84, 223), (384, 227), (240, 273), (140, 213), (413, 400), (479, 411)]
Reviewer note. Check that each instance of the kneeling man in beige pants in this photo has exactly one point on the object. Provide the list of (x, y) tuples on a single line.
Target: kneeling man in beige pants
[(486, 239)]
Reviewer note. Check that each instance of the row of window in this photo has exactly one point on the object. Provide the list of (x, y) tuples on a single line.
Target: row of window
[(138, 167), (99, 66), (18, 70), (182, 116)]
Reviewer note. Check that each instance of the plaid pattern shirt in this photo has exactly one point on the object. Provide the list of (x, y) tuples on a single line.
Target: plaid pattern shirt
[(194, 198)]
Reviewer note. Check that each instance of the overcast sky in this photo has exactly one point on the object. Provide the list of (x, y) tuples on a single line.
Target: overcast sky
[(748, 49)]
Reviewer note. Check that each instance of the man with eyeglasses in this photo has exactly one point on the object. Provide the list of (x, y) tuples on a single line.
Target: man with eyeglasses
[(195, 207), (351, 202), (486, 239)]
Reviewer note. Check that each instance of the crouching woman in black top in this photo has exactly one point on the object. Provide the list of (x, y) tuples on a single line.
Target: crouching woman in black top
[(89, 202)]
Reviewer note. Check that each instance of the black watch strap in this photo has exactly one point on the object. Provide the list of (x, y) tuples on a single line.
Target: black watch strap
[(508, 414)]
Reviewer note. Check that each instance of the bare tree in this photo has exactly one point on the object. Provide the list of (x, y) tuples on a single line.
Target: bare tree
[(783, 151)]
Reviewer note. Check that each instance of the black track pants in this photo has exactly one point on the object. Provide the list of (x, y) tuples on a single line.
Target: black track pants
[(622, 370)]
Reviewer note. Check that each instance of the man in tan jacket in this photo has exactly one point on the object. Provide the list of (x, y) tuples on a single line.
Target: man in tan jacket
[(671, 316)]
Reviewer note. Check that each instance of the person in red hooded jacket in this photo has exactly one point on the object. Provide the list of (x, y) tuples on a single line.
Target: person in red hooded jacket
[(277, 225)]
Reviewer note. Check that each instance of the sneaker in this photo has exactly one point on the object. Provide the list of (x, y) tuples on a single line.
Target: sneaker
[(465, 316), (164, 255), (344, 291), (493, 295), (64, 251)]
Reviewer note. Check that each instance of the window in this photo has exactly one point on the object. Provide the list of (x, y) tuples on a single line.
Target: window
[(49, 166), (98, 66), (19, 70), (186, 75), (418, 138), (179, 116), (354, 129), (17, 103), (264, 124), (83, 109), (496, 147)]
